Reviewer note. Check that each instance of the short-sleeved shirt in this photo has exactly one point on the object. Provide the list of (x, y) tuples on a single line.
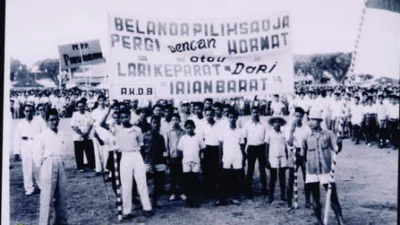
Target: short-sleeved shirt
[(393, 111), (357, 114), (318, 148), (210, 133), (370, 109), (83, 122), (299, 135), (277, 143), (381, 110), (255, 132), (129, 139), (190, 147), (277, 107), (99, 115), (232, 139)]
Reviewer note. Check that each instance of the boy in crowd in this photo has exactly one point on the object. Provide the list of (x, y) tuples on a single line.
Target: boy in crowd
[(190, 146), (370, 121), (155, 157), (381, 109), (357, 115), (208, 103), (185, 111), (198, 117), (232, 150), (174, 135), (276, 156), (254, 135), (129, 138), (218, 111), (277, 106), (393, 121)]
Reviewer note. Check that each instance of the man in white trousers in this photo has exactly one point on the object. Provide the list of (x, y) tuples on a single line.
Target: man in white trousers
[(130, 141), (101, 152), (51, 146), (25, 134)]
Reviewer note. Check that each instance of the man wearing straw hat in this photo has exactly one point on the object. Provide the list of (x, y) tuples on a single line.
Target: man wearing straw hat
[(276, 155), (320, 147)]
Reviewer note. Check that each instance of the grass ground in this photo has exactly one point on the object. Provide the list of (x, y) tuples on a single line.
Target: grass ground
[(366, 177)]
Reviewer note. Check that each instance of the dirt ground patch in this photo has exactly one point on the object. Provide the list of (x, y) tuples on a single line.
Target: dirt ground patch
[(366, 178)]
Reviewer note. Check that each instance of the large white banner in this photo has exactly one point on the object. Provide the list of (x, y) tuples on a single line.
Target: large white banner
[(78, 54), (194, 58)]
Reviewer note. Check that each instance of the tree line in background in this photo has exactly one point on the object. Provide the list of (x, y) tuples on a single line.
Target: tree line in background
[(336, 64)]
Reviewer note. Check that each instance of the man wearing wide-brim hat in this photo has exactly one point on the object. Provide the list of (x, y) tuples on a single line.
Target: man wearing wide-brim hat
[(319, 148), (279, 119), (276, 155)]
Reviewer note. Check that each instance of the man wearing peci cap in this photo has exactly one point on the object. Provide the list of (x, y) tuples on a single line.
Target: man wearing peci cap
[(319, 146), (49, 158)]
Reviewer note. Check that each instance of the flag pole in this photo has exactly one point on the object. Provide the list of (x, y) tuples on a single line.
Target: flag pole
[(83, 66)]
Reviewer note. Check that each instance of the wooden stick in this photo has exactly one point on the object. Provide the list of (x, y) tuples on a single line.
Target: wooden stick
[(296, 200), (328, 195), (118, 185)]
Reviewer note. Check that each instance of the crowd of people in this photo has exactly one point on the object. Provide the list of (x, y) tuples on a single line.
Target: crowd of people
[(197, 144)]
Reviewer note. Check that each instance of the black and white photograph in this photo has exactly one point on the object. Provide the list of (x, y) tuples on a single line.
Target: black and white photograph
[(212, 112)]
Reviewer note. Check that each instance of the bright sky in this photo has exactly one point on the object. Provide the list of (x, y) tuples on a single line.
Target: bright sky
[(34, 29)]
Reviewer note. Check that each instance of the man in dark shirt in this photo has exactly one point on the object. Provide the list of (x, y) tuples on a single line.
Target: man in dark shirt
[(155, 159)]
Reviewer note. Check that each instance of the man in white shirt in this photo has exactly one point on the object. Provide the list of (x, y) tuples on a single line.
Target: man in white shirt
[(185, 111), (277, 155), (254, 134), (211, 164), (25, 134), (48, 158), (99, 115), (296, 135), (129, 138), (218, 111), (231, 145), (302, 102), (277, 106), (370, 121), (357, 115), (198, 117), (336, 109), (393, 121), (82, 124), (381, 109), (40, 117)]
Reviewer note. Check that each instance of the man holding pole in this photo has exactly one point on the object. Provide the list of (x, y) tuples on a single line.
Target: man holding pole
[(296, 135), (321, 147)]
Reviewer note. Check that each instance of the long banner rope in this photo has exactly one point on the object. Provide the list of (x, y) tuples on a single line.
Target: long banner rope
[(356, 44)]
